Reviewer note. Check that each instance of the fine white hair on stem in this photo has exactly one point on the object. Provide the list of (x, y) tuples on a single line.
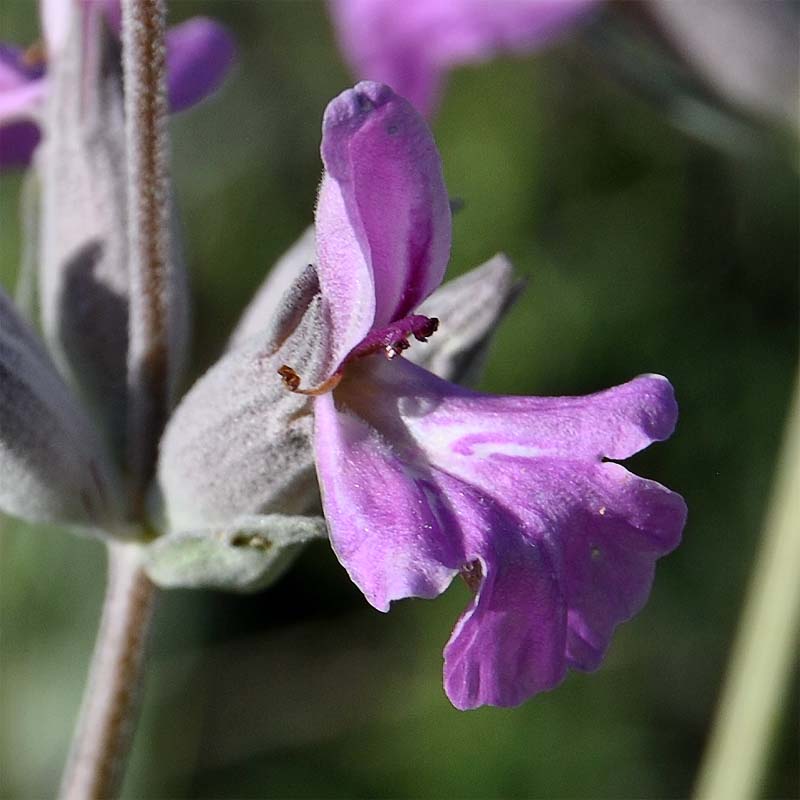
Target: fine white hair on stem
[(98, 754), (144, 69), (111, 699)]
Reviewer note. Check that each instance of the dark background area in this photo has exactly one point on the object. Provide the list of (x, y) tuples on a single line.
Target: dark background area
[(646, 250)]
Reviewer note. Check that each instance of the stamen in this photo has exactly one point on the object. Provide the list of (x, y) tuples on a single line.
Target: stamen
[(396, 348), (427, 330), (292, 382), (394, 338)]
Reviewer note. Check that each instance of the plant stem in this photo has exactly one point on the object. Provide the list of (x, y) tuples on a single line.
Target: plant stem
[(144, 66), (765, 647), (111, 699)]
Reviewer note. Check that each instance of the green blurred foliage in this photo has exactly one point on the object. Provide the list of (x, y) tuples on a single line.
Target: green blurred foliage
[(645, 250)]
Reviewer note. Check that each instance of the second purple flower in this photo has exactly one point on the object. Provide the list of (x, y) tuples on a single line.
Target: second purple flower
[(200, 52)]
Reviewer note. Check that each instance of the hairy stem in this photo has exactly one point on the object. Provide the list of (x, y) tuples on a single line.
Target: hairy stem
[(765, 647), (111, 699), (144, 69), (110, 703)]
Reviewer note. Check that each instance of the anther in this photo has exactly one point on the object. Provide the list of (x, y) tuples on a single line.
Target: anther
[(428, 330), (292, 382), (396, 348)]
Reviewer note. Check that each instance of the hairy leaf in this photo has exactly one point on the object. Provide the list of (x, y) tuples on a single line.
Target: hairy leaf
[(264, 307), (52, 466), (246, 556), (469, 309), (239, 442)]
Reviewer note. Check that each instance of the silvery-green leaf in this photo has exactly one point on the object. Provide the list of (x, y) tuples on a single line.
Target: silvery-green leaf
[(25, 290), (52, 465), (239, 443), (469, 309), (84, 241), (265, 304), (747, 50), (247, 555)]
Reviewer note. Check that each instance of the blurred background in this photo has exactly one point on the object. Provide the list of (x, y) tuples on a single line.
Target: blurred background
[(656, 221)]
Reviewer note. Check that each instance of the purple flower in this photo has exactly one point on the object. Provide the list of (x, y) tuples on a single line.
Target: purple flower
[(199, 54), (422, 480), (410, 45), (21, 91)]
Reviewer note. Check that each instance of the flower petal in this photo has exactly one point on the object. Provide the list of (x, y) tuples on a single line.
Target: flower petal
[(566, 543), (383, 216), (387, 527), (22, 88), (467, 426), (18, 140), (469, 309), (22, 102), (509, 644), (410, 45), (52, 465), (265, 305), (200, 52), (14, 68), (239, 443)]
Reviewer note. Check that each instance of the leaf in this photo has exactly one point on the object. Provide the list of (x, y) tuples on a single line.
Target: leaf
[(52, 466), (239, 443), (246, 556), (469, 309), (264, 307), (84, 288), (25, 290), (747, 51), (85, 281)]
